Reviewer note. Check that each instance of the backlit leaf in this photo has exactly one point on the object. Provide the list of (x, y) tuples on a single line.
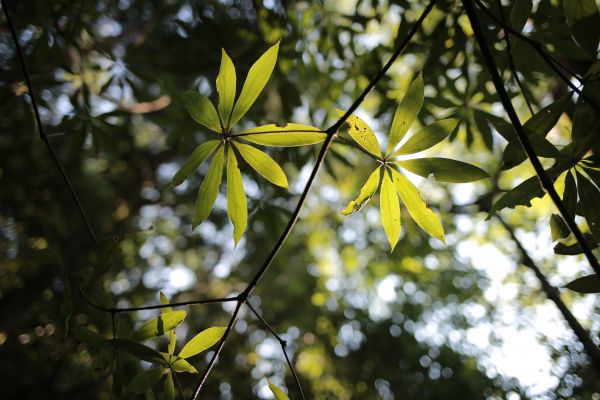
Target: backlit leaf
[(406, 113), (237, 208), (202, 341), (390, 210), (263, 164), (366, 192), (443, 169), (277, 392), (226, 84), (169, 389), (288, 135), (160, 325), (200, 154), (207, 194), (163, 301), (427, 137), (181, 365), (145, 380), (361, 133), (202, 110)]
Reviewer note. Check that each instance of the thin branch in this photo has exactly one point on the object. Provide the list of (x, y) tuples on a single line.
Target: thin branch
[(553, 294), (178, 304), (545, 181), (40, 126)]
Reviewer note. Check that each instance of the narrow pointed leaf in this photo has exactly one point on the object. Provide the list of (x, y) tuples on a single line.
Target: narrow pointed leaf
[(585, 284), (427, 137), (255, 82), (590, 204), (207, 194), (169, 390), (366, 192), (202, 341), (583, 19), (417, 208), (163, 301), (226, 84), (558, 227), (520, 195), (390, 210), (237, 208), (160, 325), (89, 337), (263, 164), (361, 133), (145, 380), (201, 110), (443, 169), (575, 248), (406, 113), (181, 365), (200, 154), (277, 392), (138, 350), (519, 14), (289, 135), (172, 342)]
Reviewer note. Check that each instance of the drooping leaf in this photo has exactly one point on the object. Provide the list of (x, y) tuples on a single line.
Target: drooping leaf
[(145, 380), (575, 248), (89, 337), (200, 154), (202, 110), (226, 84), (289, 135), (207, 194), (590, 204), (163, 301), (417, 208), (181, 365), (366, 192), (277, 392), (160, 325), (519, 14), (406, 113), (256, 80), (202, 341), (237, 208), (169, 389), (583, 18), (138, 350), (558, 228), (361, 133), (427, 137), (390, 210), (585, 284), (263, 164), (443, 169)]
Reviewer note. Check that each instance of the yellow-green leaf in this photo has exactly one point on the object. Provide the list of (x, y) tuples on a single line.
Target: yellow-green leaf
[(277, 392), (145, 380), (160, 325), (390, 210), (202, 110), (427, 137), (226, 83), (200, 154), (237, 209), (366, 192), (202, 341), (443, 169), (417, 208), (263, 164), (172, 342), (163, 301), (406, 113), (255, 82), (288, 135), (169, 390), (361, 133), (181, 365), (207, 194)]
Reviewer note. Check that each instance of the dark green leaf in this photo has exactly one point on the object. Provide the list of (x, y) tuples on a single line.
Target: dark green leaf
[(519, 14), (90, 337), (585, 284), (145, 380), (590, 203), (138, 350), (575, 248), (443, 169), (558, 227)]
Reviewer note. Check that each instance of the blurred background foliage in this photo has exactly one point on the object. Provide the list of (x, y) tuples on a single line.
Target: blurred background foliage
[(428, 321)]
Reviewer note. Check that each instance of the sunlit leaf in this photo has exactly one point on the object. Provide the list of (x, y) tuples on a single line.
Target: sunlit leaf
[(145, 380), (202, 110), (255, 82), (163, 301), (277, 392), (202, 341), (226, 84), (263, 164), (361, 133), (160, 325), (169, 389), (89, 337), (585, 284), (406, 113), (390, 210), (207, 194), (590, 204), (427, 137), (443, 169), (417, 208), (366, 192), (289, 135), (237, 208), (181, 365), (200, 154), (138, 350)]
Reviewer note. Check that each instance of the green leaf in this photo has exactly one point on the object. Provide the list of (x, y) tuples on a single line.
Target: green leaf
[(263, 164), (585, 284), (226, 82), (160, 325), (181, 365), (237, 208), (89, 337), (390, 210), (558, 227), (172, 342), (202, 341), (427, 137), (255, 82), (589, 196), (575, 248), (200, 154), (169, 390), (366, 192), (277, 392), (406, 113), (289, 135), (520, 195), (201, 110), (519, 14), (207, 194), (163, 301), (544, 120), (582, 18), (570, 194), (138, 350), (444, 169), (417, 208), (145, 380), (361, 133)]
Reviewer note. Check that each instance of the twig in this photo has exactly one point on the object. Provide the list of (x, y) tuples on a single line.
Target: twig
[(545, 181)]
